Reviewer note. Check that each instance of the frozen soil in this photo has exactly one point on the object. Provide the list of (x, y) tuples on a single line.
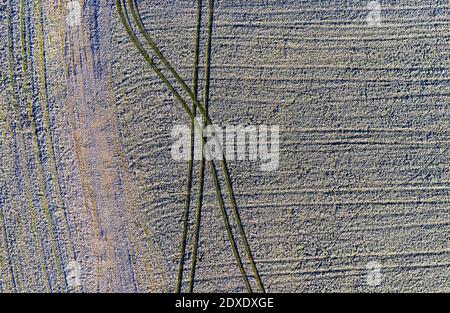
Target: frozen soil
[(87, 176)]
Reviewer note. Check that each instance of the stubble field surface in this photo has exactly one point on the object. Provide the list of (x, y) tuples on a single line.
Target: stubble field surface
[(88, 183)]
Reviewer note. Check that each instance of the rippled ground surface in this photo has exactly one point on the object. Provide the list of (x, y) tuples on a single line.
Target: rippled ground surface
[(88, 184)]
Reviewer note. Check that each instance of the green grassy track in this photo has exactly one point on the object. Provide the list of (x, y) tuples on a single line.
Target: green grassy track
[(22, 151), (48, 138), (198, 211), (191, 160), (202, 110), (29, 104), (46, 118), (187, 109)]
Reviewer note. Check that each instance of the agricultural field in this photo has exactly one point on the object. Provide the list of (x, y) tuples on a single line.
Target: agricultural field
[(93, 200)]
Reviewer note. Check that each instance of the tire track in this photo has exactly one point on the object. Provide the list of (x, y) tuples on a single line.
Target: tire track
[(225, 169), (21, 153), (191, 160), (185, 107), (206, 99)]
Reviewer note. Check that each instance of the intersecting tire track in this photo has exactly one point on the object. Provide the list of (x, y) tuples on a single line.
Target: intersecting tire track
[(202, 110)]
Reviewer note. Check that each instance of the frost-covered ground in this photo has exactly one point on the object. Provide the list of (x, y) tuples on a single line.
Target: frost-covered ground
[(92, 200)]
